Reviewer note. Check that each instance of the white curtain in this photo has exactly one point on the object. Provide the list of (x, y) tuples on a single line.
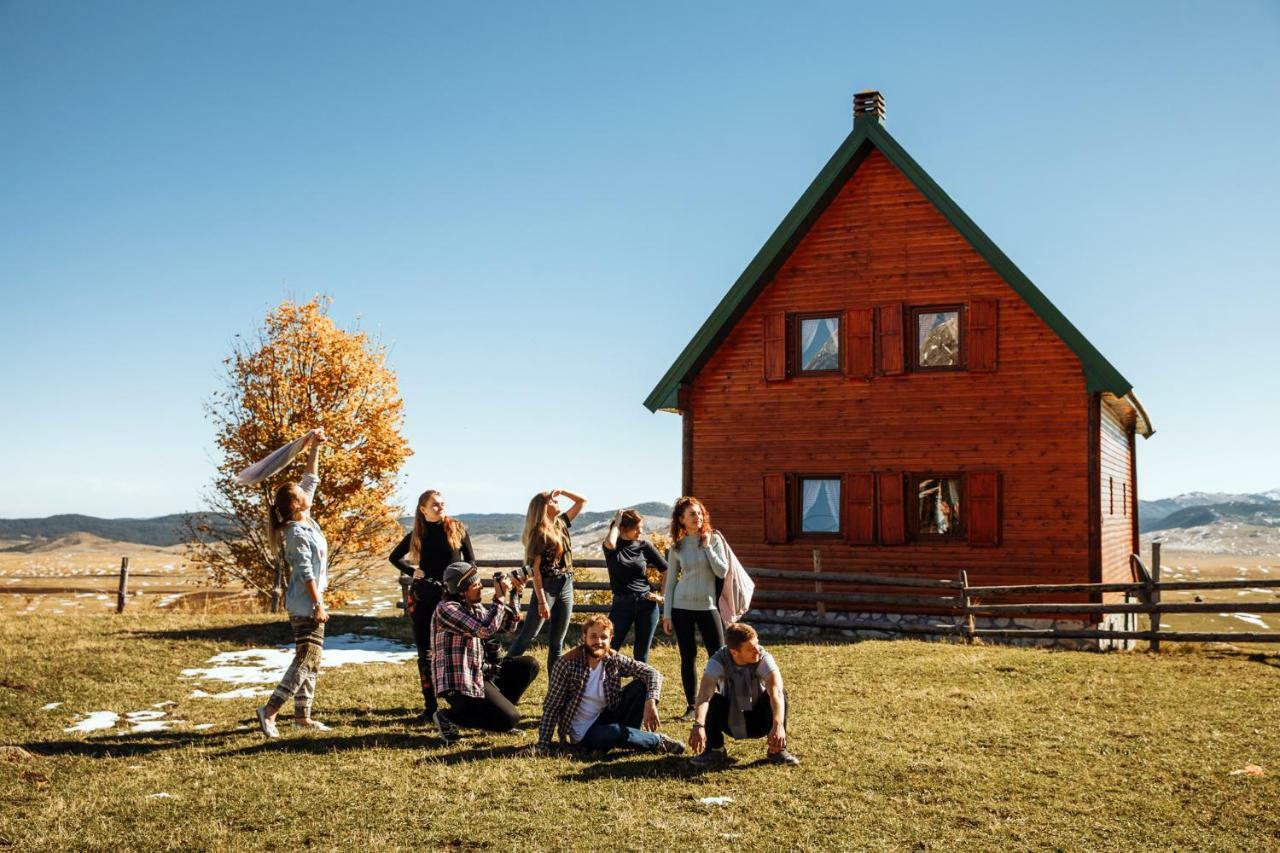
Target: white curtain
[(833, 500), (813, 489), (810, 332)]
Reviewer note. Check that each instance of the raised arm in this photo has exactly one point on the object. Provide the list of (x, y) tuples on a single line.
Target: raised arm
[(611, 538), (578, 501), (313, 461)]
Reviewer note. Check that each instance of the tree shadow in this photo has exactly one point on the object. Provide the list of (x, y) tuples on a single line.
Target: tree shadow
[(273, 631), (128, 746), (332, 742)]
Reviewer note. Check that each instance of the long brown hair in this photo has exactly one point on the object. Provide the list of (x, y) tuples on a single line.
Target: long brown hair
[(288, 498), (677, 526), (454, 530), (540, 531)]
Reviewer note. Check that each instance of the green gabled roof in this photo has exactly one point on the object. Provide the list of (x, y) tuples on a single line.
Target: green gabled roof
[(868, 133)]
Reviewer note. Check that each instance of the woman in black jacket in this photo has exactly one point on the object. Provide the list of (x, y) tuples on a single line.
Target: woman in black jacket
[(436, 541)]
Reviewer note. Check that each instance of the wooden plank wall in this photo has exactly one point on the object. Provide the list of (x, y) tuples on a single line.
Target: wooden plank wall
[(1116, 498), (881, 241)]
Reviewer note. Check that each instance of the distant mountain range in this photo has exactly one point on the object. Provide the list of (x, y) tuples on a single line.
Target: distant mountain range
[(1197, 509), (168, 529)]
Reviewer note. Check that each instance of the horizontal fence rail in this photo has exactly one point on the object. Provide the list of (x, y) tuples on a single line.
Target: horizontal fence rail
[(955, 603)]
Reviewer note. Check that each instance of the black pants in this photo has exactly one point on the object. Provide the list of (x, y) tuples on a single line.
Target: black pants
[(712, 630), (759, 719), (496, 712), (423, 598)]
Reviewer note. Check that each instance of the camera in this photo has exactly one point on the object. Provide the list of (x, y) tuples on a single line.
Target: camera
[(523, 573)]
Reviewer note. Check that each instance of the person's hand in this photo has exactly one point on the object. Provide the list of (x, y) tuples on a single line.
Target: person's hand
[(518, 585), (321, 615), (651, 719), (555, 493), (777, 737), (316, 436), (652, 596), (544, 612), (419, 574), (697, 740), (501, 586), (667, 626)]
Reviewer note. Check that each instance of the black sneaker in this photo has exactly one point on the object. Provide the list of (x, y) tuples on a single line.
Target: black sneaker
[(448, 731), (669, 746), (782, 757), (710, 758)]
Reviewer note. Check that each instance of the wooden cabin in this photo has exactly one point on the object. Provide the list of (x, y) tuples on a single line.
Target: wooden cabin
[(882, 383)]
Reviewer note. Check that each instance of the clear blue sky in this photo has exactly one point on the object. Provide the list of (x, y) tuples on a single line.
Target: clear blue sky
[(536, 205)]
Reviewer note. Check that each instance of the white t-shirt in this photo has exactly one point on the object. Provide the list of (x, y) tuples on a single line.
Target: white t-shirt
[(591, 706)]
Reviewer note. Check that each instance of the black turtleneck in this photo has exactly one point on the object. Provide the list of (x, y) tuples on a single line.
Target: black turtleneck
[(436, 553)]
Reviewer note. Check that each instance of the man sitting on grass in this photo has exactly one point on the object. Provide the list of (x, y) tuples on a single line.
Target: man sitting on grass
[(458, 631), (587, 703), (741, 693)]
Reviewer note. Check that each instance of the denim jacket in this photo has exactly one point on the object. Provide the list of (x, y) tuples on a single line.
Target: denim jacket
[(307, 553)]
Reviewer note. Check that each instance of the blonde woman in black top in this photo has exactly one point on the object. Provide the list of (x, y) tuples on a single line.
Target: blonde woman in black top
[(549, 553)]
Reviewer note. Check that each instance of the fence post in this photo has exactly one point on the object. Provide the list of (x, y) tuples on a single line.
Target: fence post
[(405, 582), (1153, 595), (124, 584), (817, 586), (966, 606), (277, 586)]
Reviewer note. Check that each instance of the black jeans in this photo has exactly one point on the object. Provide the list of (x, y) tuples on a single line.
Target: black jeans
[(496, 711), (424, 596), (759, 719), (712, 630)]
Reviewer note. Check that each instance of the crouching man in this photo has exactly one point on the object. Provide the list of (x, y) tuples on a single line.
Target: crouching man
[(589, 706), (458, 630), (741, 693)]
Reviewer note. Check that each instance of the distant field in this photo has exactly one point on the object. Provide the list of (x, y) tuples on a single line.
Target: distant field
[(904, 745)]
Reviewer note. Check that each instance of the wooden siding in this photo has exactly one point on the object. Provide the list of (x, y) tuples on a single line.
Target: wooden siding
[(1116, 498), (881, 242)]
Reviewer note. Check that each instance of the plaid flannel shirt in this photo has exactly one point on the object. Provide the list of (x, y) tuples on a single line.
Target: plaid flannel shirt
[(457, 653), (569, 681)]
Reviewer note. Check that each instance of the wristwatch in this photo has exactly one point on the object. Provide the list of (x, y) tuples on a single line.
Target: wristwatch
[(698, 726)]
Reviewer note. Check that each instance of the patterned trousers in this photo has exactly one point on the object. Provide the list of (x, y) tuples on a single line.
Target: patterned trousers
[(299, 681)]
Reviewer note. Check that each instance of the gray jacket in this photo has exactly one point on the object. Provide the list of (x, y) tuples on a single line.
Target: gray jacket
[(307, 553)]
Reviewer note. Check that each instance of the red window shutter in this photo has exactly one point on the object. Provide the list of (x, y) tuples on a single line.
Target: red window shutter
[(860, 509), (775, 347), (775, 508), (983, 315), (893, 513), (982, 495), (861, 343), (892, 348)]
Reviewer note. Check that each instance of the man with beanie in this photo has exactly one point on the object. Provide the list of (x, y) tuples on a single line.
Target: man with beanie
[(458, 631)]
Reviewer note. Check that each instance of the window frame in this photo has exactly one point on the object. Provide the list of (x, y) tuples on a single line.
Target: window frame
[(914, 533), (795, 357), (797, 507), (913, 320)]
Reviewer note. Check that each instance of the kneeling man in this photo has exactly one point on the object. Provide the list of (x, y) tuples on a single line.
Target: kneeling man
[(741, 693), (589, 706)]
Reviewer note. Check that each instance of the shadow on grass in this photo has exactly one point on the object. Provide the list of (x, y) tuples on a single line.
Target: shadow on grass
[(128, 746), (615, 765), (274, 630)]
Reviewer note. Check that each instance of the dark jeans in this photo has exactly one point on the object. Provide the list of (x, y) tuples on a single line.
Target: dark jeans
[(621, 727), (423, 598), (759, 719), (630, 609), (496, 712), (559, 592), (712, 630)]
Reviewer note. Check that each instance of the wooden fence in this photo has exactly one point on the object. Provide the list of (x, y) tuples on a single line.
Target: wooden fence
[(955, 603)]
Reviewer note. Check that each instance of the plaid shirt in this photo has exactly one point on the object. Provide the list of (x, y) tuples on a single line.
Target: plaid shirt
[(569, 680), (457, 654)]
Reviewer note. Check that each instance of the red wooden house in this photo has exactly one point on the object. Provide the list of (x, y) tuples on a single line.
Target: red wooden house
[(884, 384)]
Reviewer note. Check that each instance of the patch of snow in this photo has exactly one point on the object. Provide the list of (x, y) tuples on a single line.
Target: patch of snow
[(164, 704), (1251, 618), (163, 795), (93, 721), (716, 801), (202, 726), (152, 726), (241, 693), (50, 706), (139, 716), (265, 666)]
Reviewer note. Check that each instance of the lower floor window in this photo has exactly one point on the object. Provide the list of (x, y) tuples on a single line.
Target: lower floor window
[(819, 505), (938, 505)]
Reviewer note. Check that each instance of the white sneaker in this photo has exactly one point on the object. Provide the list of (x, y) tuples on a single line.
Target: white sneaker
[(268, 726), (313, 725)]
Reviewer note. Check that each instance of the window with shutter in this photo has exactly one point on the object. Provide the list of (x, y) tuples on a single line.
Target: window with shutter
[(982, 490), (890, 338), (938, 506), (862, 345), (860, 509), (775, 508), (937, 341), (775, 347), (983, 317), (892, 512)]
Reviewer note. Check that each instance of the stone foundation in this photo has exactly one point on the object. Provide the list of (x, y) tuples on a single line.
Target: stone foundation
[(894, 621)]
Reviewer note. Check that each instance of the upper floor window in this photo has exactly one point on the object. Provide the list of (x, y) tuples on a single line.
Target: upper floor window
[(817, 342), (938, 342), (819, 509), (938, 505)]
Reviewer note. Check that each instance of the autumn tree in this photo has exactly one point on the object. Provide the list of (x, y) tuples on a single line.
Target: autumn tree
[(298, 371)]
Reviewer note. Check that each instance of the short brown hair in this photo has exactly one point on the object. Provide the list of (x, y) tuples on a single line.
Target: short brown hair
[(600, 620), (736, 634), (629, 520)]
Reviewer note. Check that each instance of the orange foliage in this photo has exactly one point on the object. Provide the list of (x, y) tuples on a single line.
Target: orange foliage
[(300, 370)]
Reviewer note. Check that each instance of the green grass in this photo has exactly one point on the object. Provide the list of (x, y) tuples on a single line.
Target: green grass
[(904, 744)]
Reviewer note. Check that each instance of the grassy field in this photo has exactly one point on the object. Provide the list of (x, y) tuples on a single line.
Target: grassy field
[(904, 744)]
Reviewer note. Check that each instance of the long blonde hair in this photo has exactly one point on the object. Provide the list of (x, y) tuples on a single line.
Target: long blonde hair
[(540, 531), (281, 512), (454, 530)]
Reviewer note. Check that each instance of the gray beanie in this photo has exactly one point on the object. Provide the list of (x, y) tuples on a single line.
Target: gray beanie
[(458, 577)]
